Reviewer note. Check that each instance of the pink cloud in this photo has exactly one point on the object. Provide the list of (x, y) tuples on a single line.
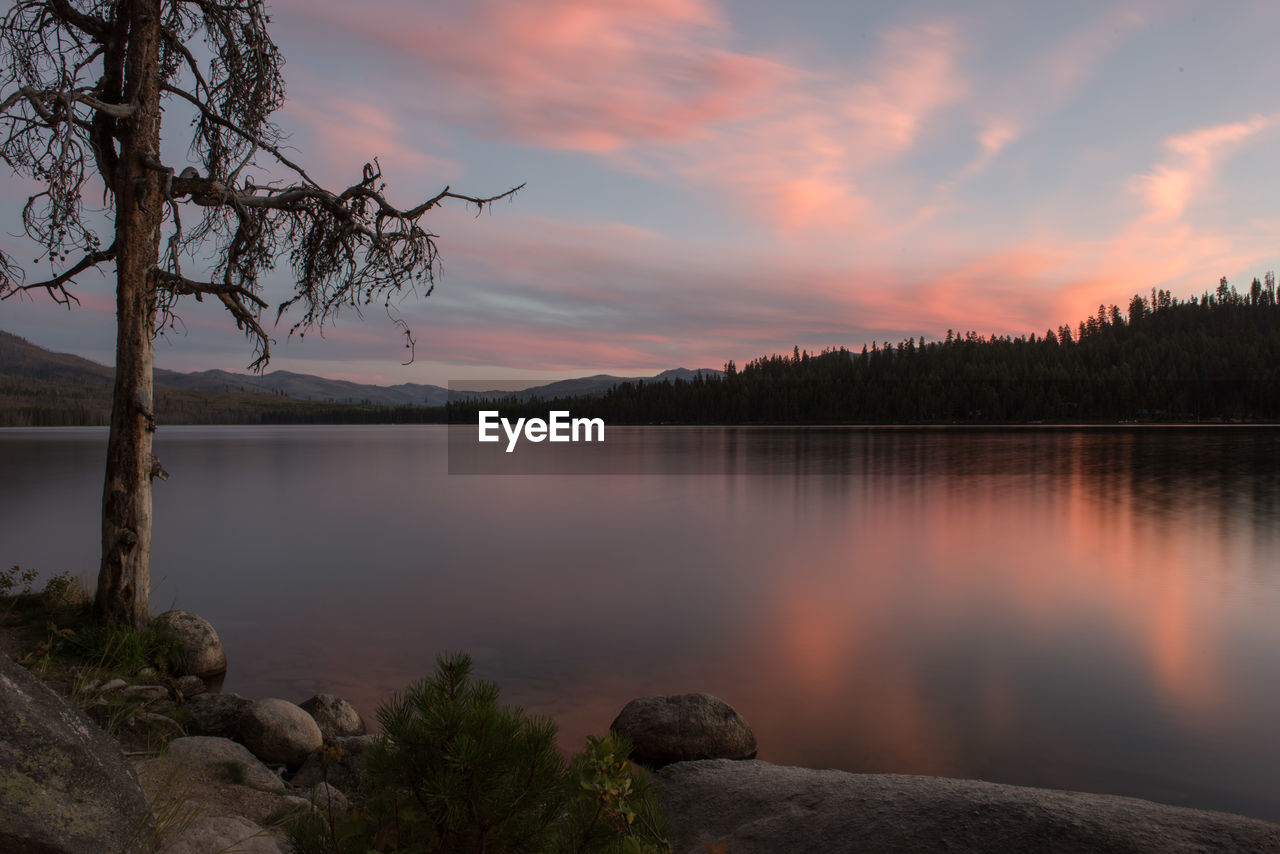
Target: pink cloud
[(657, 88), (914, 75), (343, 133), (1083, 53), (573, 74), (1190, 165)]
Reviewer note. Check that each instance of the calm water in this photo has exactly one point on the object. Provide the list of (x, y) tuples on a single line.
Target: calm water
[(1081, 609)]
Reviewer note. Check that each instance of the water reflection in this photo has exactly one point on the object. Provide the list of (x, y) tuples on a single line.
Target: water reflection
[(1089, 609)]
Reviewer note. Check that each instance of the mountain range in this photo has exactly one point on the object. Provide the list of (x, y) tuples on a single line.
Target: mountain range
[(21, 358)]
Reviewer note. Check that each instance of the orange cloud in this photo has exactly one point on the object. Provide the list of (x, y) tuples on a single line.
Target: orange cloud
[(1190, 166)]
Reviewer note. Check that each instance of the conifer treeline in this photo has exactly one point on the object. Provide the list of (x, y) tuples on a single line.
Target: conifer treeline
[(1216, 356), (1213, 357)]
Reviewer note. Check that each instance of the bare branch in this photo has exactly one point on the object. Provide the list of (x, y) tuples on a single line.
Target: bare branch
[(57, 286), (233, 298), (241, 132), (164, 280)]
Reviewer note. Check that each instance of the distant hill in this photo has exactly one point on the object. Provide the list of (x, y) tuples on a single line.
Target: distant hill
[(592, 385), (39, 386), (21, 358), (307, 387)]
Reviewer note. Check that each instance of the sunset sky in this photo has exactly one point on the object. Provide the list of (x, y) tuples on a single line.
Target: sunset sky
[(721, 180)]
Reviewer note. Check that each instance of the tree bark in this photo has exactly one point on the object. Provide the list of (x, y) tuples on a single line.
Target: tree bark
[(124, 578)]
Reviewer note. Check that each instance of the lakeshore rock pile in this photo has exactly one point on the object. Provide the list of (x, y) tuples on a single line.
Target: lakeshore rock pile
[(65, 788)]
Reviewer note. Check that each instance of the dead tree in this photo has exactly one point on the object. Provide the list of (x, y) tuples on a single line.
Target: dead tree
[(82, 85)]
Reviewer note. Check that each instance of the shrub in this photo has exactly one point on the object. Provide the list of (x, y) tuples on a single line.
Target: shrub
[(455, 771)]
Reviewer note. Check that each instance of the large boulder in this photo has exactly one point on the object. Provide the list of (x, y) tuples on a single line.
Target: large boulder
[(203, 755), (223, 833), (758, 808), (217, 714), (335, 716), (278, 731), (684, 727), (65, 787), (200, 651)]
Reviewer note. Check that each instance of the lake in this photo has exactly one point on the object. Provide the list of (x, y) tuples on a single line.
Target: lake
[(1094, 609)]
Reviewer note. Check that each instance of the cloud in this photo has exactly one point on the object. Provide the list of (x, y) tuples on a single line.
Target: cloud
[(1190, 165), (343, 132), (570, 74), (658, 89)]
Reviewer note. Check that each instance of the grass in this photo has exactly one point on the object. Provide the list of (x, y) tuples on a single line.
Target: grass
[(72, 652)]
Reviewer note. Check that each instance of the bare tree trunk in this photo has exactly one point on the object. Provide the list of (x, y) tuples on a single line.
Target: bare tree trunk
[(124, 579)]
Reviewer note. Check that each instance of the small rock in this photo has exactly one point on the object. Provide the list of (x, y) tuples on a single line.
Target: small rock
[(112, 685), (689, 726), (144, 693), (279, 731), (147, 671), (217, 714), (344, 771), (160, 727), (335, 716), (201, 652), (328, 798), (189, 686)]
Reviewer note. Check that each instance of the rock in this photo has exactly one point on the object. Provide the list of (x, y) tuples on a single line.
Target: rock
[(688, 726), (754, 807), (279, 731), (64, 784), (335, 716), (344, 770), (189, 686), (200, 651), (144, 693), (208, 834), (326, 798), (157, 728), (198, 754), (113, 685), (217, 714)]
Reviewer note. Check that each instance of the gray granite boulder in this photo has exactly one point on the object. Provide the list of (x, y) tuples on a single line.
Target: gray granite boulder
[(684, 727), (200, 650), (217, 714), (203, 754), (65, 787), (335, 716), (758, 808), (278, 731), (223, 834)]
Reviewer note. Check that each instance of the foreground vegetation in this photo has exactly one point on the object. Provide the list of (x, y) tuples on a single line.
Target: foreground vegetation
[(454, 771), (457, 771)]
